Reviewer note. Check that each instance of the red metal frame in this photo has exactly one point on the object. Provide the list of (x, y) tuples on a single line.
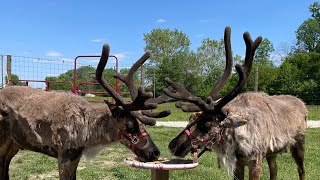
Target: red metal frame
[(91, 56), (91, 83)]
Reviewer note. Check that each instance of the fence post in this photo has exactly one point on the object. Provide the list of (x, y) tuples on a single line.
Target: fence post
[(154, 84), (256, 76), (142, 76), (1, 71), (9, 82)]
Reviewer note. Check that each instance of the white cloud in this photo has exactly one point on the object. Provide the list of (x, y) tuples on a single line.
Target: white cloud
[(161, 20), (67, 60), (96, 40), (53, 54), (121, 55), (52, 75)]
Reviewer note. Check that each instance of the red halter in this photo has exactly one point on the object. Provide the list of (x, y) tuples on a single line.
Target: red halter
[(196, 142), (134, 139)]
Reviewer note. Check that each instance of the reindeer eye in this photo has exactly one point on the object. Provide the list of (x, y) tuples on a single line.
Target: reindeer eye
[(204, 126), (208, 125), (130, 125), (221, 115)]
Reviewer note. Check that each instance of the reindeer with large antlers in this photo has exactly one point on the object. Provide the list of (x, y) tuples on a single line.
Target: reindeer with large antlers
[(241, 128), (65, 126)]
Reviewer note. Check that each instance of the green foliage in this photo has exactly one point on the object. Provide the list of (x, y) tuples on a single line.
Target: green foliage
[(211, 56), (308, 36), (308, 33), (171, 57), (165, 43), (15, 80), (299, 75), (315, 10), (84, 74), (262, 55)]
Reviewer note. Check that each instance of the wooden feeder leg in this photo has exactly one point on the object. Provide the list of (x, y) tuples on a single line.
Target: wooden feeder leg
[(159, 174)]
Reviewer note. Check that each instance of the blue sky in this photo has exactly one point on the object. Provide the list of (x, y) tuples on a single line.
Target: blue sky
[(63, 29)]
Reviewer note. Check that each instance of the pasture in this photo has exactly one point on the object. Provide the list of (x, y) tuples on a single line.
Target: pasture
[(178, 115), (109, 164)]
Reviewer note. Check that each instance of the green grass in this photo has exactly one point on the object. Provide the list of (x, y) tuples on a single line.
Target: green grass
[(178, 115), (109, 164), (313, 112)]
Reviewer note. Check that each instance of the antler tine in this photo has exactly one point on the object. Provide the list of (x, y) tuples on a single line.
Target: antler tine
[(243, 70), (163, 98), (139, 98), (183, 94), (144, 119), (160, 114), (147, 116), (102, 63), (128, 80), (228, 69), (197, 103)]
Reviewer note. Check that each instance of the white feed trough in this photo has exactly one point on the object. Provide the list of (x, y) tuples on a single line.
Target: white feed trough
[(160, 168)]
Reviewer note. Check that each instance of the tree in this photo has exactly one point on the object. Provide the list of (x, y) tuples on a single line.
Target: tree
[(262, 55), (308, 33), (164, 43), (170, 56), (315, 10), (308, 36), (264, 65), (211, 56), (15, 80), (84, 74), (299, 75)]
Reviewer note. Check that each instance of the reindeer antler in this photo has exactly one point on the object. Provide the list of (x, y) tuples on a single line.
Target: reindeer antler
[(141, 102), (197, 104)]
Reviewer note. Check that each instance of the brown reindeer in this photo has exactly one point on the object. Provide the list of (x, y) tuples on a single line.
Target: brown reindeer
[(65, 126), (241, 128)]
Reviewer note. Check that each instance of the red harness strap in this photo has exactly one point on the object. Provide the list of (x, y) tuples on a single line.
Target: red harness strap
[(134, 139), (195, 142)]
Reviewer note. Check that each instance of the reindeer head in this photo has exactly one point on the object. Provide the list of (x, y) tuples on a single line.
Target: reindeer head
[(208, 123), (131, 117)]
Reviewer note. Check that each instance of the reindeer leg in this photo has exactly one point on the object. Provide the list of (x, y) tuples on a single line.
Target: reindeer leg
[(68, 163), (12, 152), (255, 167), (272, 163), (297, 152), (239, 172), (8, 150)]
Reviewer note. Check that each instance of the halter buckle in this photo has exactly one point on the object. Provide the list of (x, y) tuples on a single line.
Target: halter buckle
[(134, 140)]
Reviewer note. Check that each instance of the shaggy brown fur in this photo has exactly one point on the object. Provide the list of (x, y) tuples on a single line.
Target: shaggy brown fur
[(273, 124), (242, 128), (61, 125), (269, 125)]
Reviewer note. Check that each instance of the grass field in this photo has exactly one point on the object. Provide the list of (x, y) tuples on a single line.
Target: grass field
[(109, 164), (178, 115), (313, 112)]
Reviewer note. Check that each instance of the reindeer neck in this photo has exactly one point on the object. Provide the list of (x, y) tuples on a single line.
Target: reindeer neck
[(102, 126)]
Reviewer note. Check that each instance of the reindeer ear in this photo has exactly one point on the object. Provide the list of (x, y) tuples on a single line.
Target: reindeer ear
[(233, 122)]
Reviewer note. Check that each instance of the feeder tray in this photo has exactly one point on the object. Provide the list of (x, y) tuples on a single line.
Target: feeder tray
[(160, 168)]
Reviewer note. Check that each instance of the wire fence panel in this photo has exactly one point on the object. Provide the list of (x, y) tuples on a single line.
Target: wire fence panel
[(37, 72)]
